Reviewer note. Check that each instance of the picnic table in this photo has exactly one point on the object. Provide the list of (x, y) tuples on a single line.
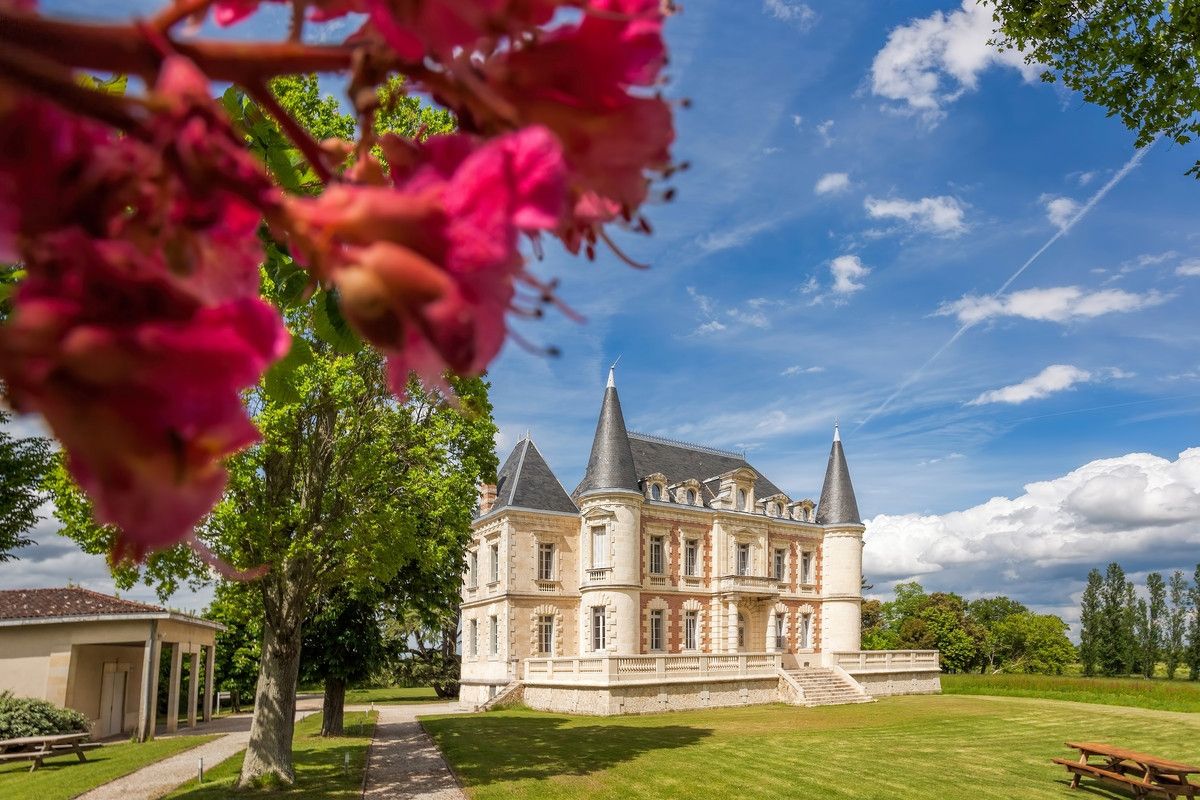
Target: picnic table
[(1145, 774), (37, 748)]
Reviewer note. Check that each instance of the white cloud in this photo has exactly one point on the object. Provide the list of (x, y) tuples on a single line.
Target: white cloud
[(931, 62), (1054, 378), (1136, 506), (1084, 178), (1060, 210), (824, 130), (1189, 268), (1055, 304), (797, 13), (734, 237), (797, 121), (799, 370), (847, 273), (770, 151), (941, 215), (832, 182)]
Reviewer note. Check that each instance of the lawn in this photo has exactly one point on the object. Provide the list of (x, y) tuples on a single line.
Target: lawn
[(1160, 694), (393, 694), (320, 764), (949, 748), (64, 776)]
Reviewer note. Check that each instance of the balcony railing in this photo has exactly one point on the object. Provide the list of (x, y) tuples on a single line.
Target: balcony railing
[(753, 584), (605, 669), (864, 661), (597, 574)]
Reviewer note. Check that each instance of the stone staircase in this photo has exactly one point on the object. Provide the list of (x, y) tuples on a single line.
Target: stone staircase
[(826, 687)]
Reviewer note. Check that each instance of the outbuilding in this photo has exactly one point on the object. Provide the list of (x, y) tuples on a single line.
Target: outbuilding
[(100, 655)]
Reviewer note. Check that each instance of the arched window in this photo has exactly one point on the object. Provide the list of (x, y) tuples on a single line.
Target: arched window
[(742, 500), (656, 491), (691, 497)]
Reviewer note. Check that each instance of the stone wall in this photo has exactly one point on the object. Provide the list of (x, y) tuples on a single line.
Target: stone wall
[(887, 684), (653, 698)]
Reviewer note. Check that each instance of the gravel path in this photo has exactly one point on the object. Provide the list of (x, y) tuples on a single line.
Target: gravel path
[(155, 780), (405, 764)]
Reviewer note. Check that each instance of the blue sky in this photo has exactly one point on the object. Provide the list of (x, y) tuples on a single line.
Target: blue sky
[(864, 177)]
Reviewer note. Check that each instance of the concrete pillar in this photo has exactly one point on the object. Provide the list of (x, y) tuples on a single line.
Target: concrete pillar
[(209, 670), (148, 705), (731, 645), (193, 687), (173, 686)]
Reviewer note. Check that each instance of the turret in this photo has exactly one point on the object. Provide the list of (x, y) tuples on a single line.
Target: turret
[(610, 504), (841, 557)]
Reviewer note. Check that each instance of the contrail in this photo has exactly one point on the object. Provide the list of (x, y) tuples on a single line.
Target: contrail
[(1063, 231)]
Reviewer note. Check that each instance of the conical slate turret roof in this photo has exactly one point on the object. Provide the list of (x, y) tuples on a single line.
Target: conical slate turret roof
[(610, 465), (837, 505), (526, 481)]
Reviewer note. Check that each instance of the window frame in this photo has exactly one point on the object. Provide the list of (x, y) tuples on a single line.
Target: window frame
[(599, 628), (806, 567), (657, 630), (691, 629), (473, 639), (691, 558), (805, 637), (599, 542), (545, 634), (658, 551), (743, 500), (780, 631), (473, 569), (742, 568), (779, 564), (656, 491), (545, 562), (494, 635), (494, 552)]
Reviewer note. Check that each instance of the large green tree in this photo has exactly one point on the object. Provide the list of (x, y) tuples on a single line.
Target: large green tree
[(238, 606), (24, 462), (1193, 648), (1034, 643), (1090, 622), (1114, 634), (1138, 59), (1176, 626), (1156, 619), (988, 613)]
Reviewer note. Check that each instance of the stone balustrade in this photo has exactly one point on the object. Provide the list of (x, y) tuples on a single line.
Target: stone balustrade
[(868, 661), (749, 584), (607, 669)]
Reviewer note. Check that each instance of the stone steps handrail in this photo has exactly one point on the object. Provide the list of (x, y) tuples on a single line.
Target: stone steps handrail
[(622, 668), (887, 661)]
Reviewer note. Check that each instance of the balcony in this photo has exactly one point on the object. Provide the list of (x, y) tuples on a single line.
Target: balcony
[(754, 585), (599, 574)]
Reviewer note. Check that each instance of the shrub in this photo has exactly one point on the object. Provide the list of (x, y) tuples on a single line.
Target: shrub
[(26, 716)]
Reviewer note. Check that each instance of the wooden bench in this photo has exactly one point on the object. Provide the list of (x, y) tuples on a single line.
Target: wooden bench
[(38, 748), (1141, 773)]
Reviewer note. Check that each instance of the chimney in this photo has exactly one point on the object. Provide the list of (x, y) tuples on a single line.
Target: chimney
[(487, 498)]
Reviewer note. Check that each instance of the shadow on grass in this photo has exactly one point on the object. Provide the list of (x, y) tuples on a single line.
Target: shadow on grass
[(1088, 786), (491, 748)]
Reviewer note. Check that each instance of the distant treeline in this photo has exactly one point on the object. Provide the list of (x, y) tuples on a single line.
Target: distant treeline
[(1123, 633)]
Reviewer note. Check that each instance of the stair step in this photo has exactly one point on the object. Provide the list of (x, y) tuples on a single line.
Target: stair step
[(824, 687)]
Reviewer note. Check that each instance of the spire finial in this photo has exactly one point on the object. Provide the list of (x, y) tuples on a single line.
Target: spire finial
[(612, 382), (837, 433)]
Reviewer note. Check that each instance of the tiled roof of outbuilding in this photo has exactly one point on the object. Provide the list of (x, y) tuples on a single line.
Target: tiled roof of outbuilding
[(69, 601)]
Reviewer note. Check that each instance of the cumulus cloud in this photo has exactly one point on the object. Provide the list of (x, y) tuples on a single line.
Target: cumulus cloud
[(798, 14), (832, 183), (1131, 508), (1055, 304), (1060, 210), (1054, 378), (941, 215), (848, 272), (931, 62)]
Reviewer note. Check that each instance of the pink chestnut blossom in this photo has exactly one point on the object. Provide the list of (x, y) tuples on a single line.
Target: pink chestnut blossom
[(426, 267)]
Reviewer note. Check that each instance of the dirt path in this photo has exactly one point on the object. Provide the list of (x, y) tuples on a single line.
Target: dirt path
[(404, 763)]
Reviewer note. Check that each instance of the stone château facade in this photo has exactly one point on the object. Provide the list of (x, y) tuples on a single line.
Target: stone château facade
[(674, 576)]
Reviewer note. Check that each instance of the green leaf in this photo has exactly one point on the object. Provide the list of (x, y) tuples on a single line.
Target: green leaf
[(332, 327), (281, 382)]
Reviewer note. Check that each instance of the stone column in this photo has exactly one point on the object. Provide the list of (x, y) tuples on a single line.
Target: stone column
[(193, 688), (148, 705), (173, 687), (209, 681), (731, 633)]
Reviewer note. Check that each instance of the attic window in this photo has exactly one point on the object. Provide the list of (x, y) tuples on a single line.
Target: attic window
[(774, 509), (741, 504), (691, 497), (656, 491)]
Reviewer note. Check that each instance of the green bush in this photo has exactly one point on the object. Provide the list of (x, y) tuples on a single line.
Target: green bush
[(26, 716)]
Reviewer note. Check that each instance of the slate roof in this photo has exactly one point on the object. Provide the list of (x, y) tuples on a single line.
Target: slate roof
[(526, 481), (611, 464), (70, 601), (838, 505), (680, 461)]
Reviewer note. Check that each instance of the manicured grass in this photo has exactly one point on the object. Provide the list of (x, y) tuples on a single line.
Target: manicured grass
[(393, 694), (946, 748), (64, 777), (319, 762), (1159, 694)]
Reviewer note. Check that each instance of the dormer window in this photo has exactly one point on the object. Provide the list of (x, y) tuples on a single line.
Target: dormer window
[(656, 491), (691, 497), (741, 500), (775, 510)]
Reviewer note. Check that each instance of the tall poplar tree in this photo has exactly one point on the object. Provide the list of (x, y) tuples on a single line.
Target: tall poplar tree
[(1156, 614), (1112, 643), (1089, 622), (1193, 651), (1177, 618)]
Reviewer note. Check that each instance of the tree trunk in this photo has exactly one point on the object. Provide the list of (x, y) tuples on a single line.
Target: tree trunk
[(269, 753), (334, 707)]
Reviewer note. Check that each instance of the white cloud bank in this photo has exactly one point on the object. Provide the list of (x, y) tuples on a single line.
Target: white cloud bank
[(1054, 378), (832, 183), (1055, 304), (931, 62), (1129, 508), (941, 215), (848, 272)]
